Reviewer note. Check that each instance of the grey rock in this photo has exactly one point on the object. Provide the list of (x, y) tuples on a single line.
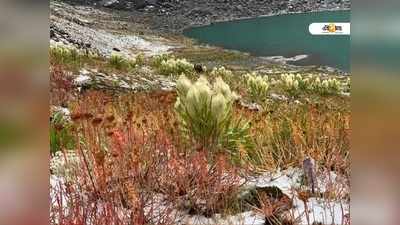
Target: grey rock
[(188, 12), (109, 3), (251, 106), (92, 79), (278, 97)]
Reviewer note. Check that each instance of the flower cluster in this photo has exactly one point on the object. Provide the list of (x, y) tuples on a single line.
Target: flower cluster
[(205, 112), (156, 60), (295, 83), (346, 85), (119, 61), (64, 53), (201, 94), (257, 86), (221, 72), (174, 66), (327, 86)]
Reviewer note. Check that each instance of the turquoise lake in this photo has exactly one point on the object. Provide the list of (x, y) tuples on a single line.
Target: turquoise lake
[(284, 35)]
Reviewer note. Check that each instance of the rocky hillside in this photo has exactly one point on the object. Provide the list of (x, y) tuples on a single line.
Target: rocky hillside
[(175, 15)]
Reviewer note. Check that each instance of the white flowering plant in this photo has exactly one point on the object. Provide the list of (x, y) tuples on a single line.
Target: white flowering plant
[(117, 61), (205, 113), (140, 59), (346, 85), (294, 84), (121, 62), (257, 86), (65, 54), (328, 86), (173, 67), (156, 60), (222, 72)]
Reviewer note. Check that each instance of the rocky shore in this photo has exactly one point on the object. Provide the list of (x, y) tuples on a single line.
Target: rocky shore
[(155, 27), (176, 15)]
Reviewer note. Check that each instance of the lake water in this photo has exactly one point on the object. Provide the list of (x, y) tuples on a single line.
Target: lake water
[(285, 35)]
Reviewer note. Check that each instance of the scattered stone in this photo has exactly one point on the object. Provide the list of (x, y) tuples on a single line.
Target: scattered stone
[(253, 196), (251, 106), (120, 83), (109, 3), (346, 94), (82, 79), (278, 97), (176, 15), (62, 110), (298, 102)]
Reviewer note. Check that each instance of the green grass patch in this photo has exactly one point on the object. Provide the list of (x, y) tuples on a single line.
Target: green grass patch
[(61, 134)]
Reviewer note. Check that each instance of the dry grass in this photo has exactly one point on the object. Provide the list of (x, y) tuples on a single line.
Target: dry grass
[(61, 86), (287, 133), (128, 157)]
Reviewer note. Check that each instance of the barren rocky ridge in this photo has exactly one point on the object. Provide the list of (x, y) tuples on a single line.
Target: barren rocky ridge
[(175, 15)]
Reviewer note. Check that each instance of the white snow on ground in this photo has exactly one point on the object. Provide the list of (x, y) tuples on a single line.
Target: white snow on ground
[(284, 180), (246, 218), (290, 179), (82, 79), (319, 210), (56, 186)]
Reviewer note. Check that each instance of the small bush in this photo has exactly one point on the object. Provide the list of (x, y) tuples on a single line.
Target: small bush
[(140, 59), (119, 62), (206, 115), (62, 54), (61, 86), (173, 67), (156, 61), (295, 84), (222, 72), (257, 87), (347, 85), (290, 84), (329, 86), (61, 136)]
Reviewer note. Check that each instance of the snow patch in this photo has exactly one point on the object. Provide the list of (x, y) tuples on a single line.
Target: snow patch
[(83, 78), (246, 218), (321, 211)]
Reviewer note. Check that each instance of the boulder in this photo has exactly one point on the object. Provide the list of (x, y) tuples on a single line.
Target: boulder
[(109, 3), (252, 196), (140, 4)]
